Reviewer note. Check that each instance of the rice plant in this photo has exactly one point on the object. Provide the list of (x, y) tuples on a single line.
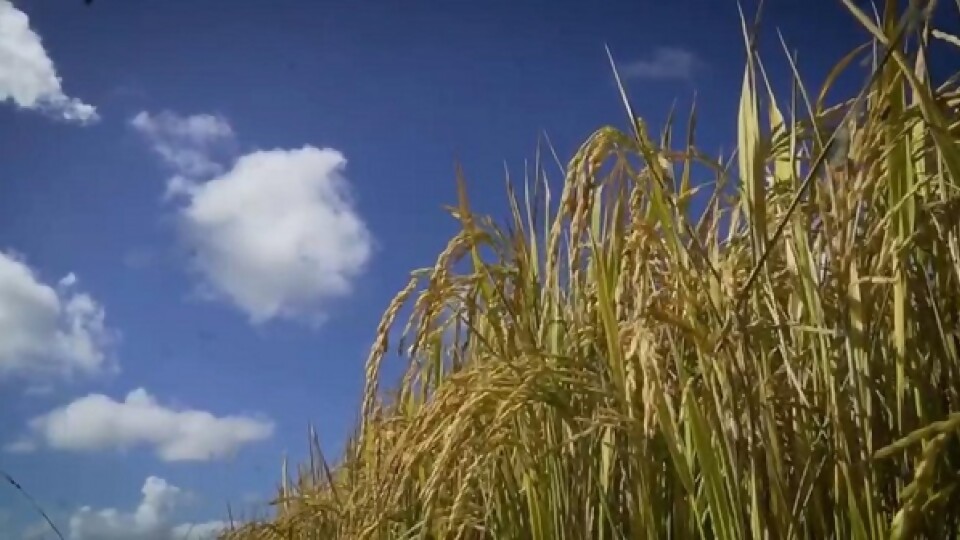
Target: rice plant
[(615, 362)]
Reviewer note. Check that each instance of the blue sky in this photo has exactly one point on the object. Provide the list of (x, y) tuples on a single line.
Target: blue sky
[(206, 206)]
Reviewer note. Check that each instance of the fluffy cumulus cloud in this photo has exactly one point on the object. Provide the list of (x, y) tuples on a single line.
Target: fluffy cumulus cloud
[(664, 63), (275, 233), (152, 519), (27, 74), (49, 330), (97, 423)]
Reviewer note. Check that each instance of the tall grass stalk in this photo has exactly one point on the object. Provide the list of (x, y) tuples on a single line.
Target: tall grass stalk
[(782, 363)]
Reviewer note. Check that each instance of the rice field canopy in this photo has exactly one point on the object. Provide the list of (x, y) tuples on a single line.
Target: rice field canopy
[(613, 361)]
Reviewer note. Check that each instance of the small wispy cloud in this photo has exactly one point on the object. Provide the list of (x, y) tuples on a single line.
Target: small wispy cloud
[(665, 63), (186, 143), (27, 74)]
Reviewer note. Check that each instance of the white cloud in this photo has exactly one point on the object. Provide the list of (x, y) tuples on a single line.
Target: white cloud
[(665, 63), (27, 74), (186, 143), (152, 519), (199, 531), (276, 234), (97, 422), (49, 331)]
